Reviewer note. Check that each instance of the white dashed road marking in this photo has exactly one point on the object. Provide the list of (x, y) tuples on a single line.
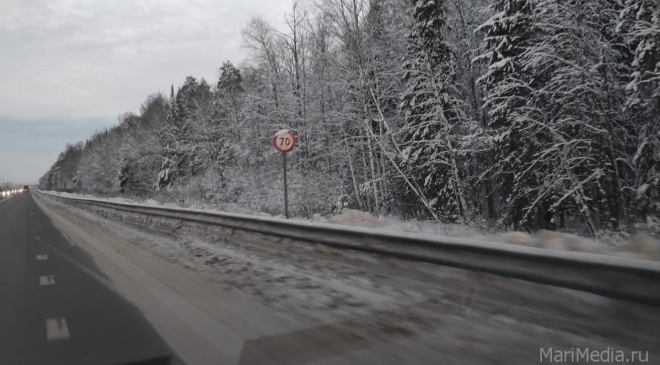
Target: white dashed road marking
[(56, 329), (47, 280), (42, 257)]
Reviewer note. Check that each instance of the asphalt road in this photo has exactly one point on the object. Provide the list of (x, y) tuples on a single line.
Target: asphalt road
[(55, 307)]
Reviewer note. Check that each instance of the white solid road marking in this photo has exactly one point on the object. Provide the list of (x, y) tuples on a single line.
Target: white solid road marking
[(42, 257), (64, 234), (47, 280), (56, 329)]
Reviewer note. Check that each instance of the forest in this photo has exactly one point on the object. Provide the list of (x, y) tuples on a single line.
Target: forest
[(516, 114)]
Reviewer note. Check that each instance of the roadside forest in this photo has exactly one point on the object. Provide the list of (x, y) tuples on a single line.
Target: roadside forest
[(518, 114)]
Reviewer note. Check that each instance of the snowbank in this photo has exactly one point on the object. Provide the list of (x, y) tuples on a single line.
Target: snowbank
[(357, 218)]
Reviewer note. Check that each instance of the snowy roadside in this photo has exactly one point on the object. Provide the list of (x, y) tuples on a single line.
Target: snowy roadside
[(640, 246), (352, 295)]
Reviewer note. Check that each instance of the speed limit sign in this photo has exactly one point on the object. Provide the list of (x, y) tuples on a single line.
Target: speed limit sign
[(284, 141)]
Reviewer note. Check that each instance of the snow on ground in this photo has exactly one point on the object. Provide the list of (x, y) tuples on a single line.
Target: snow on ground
[(284, 274), (401, 311), (642, 245)]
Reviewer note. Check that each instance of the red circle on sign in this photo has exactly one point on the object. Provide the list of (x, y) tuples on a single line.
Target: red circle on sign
[(284, 141)]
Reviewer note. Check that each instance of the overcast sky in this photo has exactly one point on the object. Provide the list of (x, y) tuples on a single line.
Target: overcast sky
[(70, 67)]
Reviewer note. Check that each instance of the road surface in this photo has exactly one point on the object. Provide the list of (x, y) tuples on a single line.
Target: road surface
[(56, 306)]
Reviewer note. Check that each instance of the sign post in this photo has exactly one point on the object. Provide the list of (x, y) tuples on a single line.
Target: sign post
[(285, 141)]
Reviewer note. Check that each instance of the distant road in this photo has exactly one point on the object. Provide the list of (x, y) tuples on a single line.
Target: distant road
[(55, 307)]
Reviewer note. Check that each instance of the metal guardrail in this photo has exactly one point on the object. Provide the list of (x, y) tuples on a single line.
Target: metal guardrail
[(614, 277)]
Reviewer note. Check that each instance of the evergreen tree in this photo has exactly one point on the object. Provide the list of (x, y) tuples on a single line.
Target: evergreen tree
[(168, 141), (640, 24), (124, 175), (572, 117), (230, 92), (230, 82), (431, 113), (508, 34)]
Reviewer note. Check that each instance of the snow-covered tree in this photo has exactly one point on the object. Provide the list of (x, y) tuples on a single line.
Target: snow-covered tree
[(640, 25), (553, 93), (508, 34), (431, 110), (230, 92), (573, 72), (463, 17), (124, 175), (168, 140)]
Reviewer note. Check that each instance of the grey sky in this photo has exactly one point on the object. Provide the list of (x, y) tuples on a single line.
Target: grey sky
[(69, 67)]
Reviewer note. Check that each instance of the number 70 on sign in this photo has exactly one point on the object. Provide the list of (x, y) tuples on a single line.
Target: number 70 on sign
[(284, 141)]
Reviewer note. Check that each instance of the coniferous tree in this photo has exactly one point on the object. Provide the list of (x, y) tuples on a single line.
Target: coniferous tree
[(431, 113), (640, 25), (168, 141), (508, 34), (572, 72)]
